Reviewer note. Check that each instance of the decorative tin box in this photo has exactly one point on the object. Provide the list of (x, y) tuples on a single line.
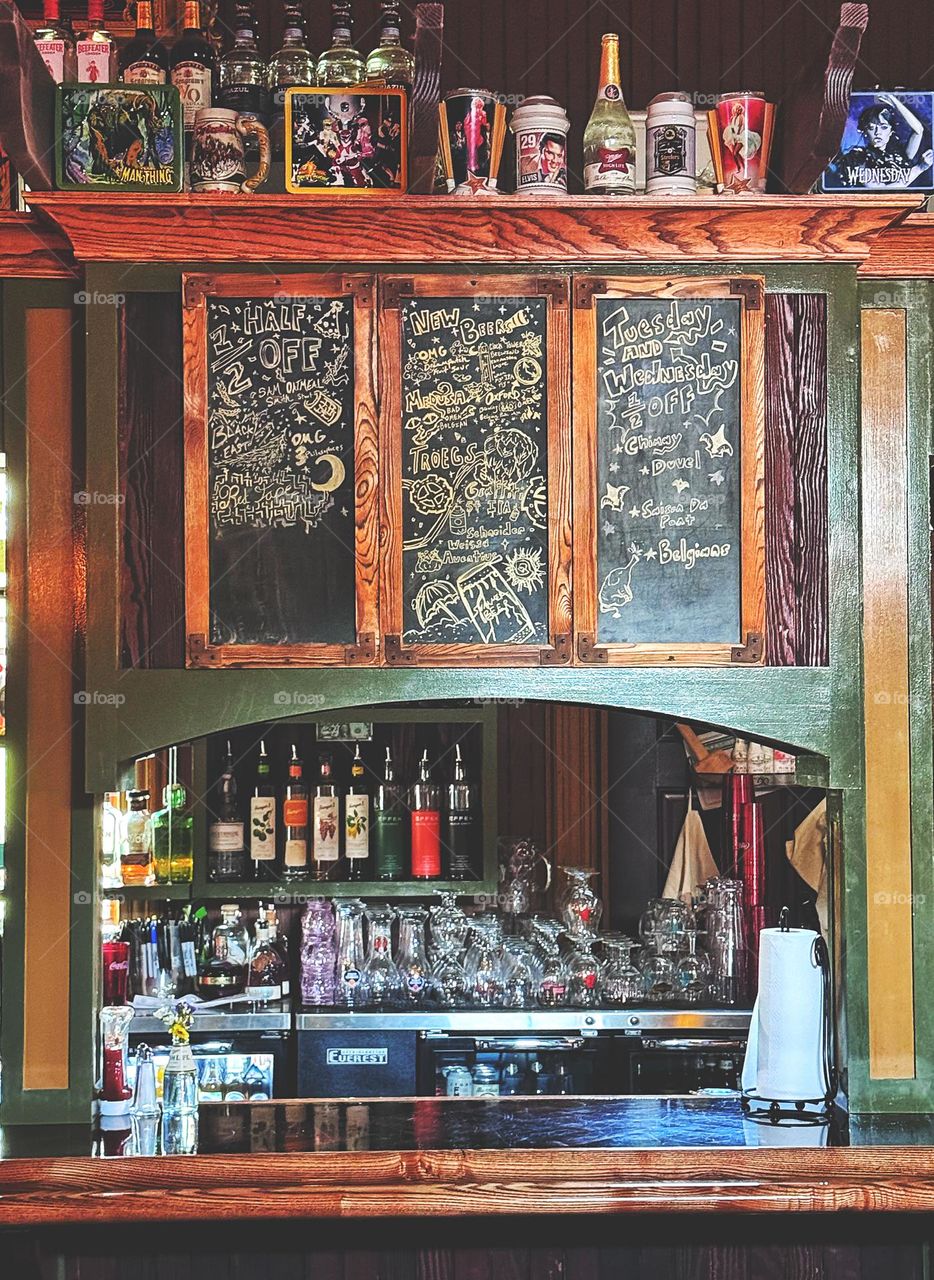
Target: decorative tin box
[(349, 140), (887, 144), (118, 137)]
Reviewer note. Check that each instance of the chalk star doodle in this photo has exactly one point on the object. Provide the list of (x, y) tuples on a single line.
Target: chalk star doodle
[(634, 512), (614, 467), (643, 471), (680, 485), (607, 529), (613, 498), (616, 589), (651, 554), (715, 477)]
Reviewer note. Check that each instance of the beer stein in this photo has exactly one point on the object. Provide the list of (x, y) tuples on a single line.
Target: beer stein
[(218, 156)]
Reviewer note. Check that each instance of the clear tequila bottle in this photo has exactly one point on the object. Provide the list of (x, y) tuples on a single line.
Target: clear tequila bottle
[(342, 64)]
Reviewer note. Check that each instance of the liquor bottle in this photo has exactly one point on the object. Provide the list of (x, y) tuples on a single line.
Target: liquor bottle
[(463, 826), (223, 972), (265, 980), (342, 64), (243, 72), (610, 139), (325, 823), (281, 943), (295, 822), (136, 841), (294, 64), (389, 826), (193, 67), (144, 59), (173, 832), (390, 62), (56, 44), (210, 1085), (111, 818), (357, 823), (234, 1086), (96, 49), (426, 824), (256, 1082), (227, 852), (263, 821)]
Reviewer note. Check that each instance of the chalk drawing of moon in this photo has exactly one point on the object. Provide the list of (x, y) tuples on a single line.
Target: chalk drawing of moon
[(336, 478)]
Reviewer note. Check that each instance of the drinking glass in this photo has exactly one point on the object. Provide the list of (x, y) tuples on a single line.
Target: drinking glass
[(622, 981), (544, 933), (449, 926), (518, 877), (658, 977), (693, 973), (411, 960), (581, 908), (521, 975), (585, 973), (380, 980), (319, 953), (483, 963), (350, 952)]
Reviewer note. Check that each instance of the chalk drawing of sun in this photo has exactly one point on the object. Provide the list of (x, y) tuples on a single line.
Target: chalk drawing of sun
[(524, 569)]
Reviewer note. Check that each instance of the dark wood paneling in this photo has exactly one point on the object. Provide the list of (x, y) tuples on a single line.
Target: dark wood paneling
[(796, 480), (152, 588)]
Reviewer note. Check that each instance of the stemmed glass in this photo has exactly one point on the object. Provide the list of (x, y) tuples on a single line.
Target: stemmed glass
[(693, 972), (449, 928), (521, 974), (581, 908), (544, 933), (622, 981), (483, 963), (585, 973)]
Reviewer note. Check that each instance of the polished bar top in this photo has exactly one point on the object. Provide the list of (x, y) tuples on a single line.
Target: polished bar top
[(462, 1158)]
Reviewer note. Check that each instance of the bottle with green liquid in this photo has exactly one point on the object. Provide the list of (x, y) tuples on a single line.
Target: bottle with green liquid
[(173, 831)]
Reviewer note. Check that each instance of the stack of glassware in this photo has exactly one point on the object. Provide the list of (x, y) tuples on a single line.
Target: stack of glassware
[(410, 957)]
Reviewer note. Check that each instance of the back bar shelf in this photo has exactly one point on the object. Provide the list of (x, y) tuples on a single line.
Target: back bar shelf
[(451, 229)]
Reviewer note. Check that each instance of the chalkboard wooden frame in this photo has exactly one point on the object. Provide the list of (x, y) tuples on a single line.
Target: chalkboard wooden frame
[(555, 290), (750, 291), (196, 290)]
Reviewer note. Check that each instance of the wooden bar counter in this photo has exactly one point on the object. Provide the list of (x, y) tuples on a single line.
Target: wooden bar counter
[(467, 1158)]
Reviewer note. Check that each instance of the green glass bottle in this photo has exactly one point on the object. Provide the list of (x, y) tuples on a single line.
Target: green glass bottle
[(389, 826), (173, 832)]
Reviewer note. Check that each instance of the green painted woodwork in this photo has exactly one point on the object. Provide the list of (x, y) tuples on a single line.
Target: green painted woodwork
[(37, 1105), (817, 711)]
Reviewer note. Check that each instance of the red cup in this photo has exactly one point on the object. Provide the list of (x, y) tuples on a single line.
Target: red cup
[(116, 966)]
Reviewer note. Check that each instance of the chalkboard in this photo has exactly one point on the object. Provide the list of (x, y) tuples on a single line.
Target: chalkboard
[(280, 453), (475, 515), (668, 469)]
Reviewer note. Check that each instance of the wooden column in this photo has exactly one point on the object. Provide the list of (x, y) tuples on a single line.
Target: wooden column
[(50, 698), (889, 903)]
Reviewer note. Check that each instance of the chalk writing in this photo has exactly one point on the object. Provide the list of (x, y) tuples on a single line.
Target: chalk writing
[(474, 468), (668, 470)]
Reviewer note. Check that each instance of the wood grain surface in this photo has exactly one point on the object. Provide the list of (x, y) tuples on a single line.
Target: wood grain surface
[(28, 248), (464, 1184), (410, 229)]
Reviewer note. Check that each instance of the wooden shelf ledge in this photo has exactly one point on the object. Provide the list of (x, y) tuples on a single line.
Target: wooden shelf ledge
[(450, 229), (34, 249), (906, 249)]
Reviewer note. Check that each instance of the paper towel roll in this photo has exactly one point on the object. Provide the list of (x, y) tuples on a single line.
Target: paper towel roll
[(790, 1039)]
